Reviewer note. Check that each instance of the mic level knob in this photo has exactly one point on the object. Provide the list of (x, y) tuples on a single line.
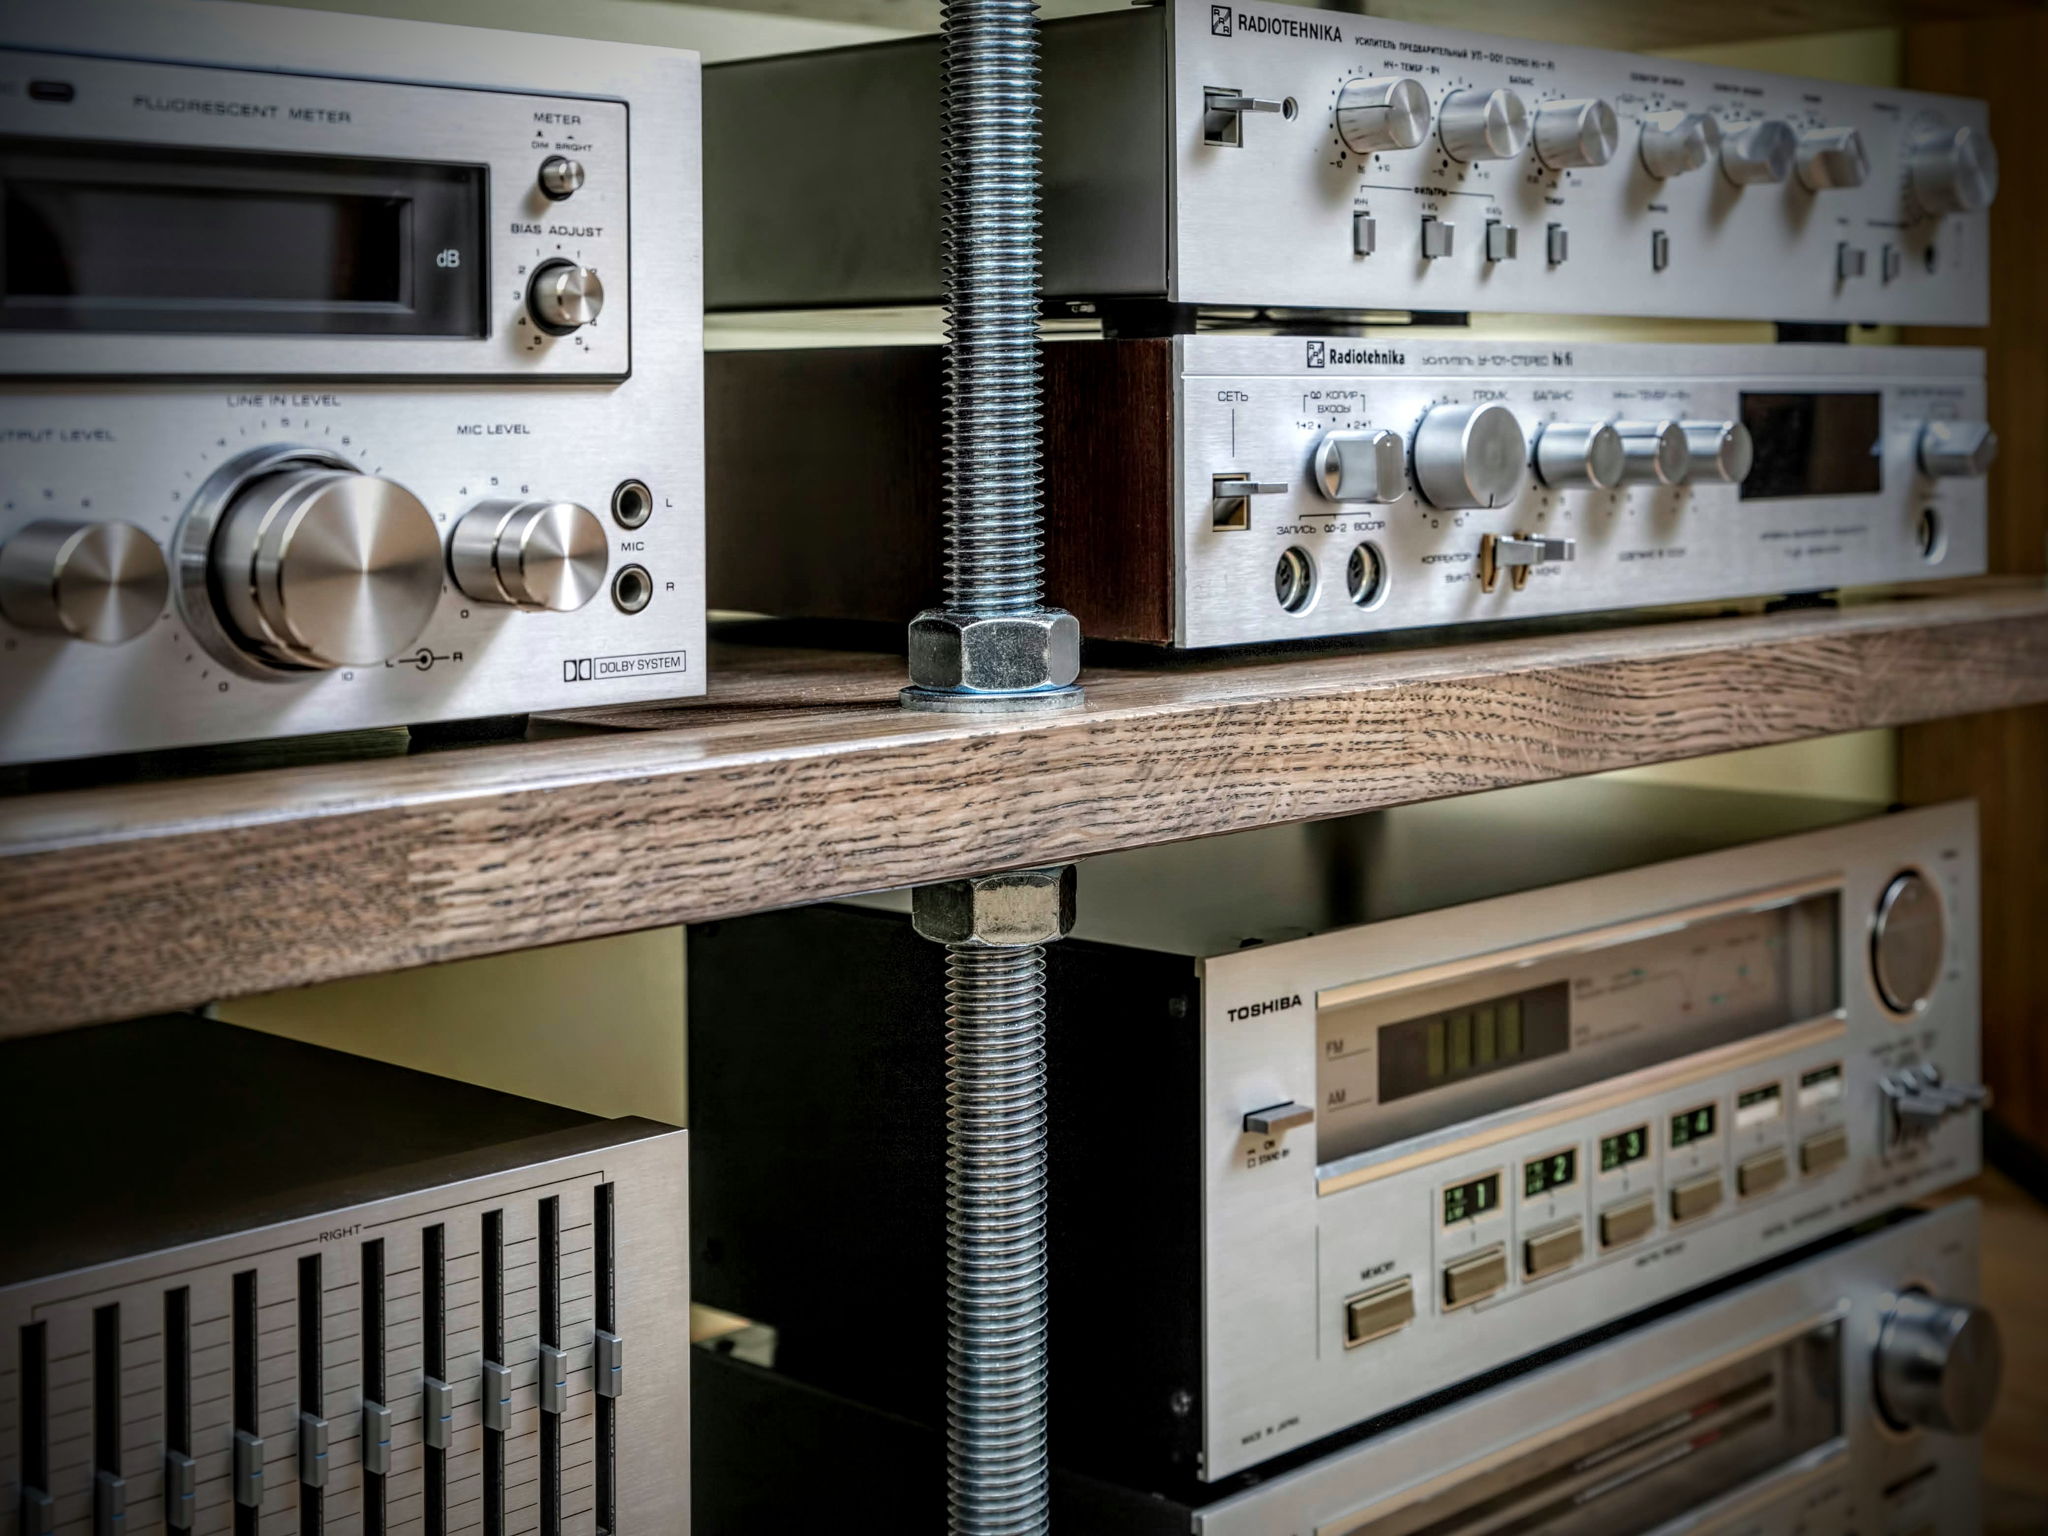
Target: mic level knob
[(1373, 115), (1952, 170), (1758, 152), (563, 297), (1470, 455), (1676, 142), (530, 554), (103, 582), (1574, 134), (1938, 1365), (1483, 125)]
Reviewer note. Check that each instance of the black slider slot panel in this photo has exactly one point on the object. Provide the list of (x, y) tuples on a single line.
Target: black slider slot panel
[(496, 1387), (179, 1468), (553, 1366), (312, 1399), (434, 1396), (248, 1443), (109, 1487), (606, 1366), (38, 1511), (376, 1428)]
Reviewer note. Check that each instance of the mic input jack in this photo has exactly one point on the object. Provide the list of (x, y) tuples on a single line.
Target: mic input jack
[(632, 503), (632, 588)]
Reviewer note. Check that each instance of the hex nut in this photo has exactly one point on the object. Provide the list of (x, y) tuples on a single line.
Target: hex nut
[(1013, 653), (1022, 906)]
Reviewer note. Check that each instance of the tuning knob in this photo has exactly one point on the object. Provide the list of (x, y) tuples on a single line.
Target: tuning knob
[(314, 566), (1580, 455), (563, 296), (531, 554), (1828, 158), (1938, 1364), (1483, 125), (1758, 152), (1361, 466), (1574, 134), (1952, 170), (103, 582), (1957, 450), (1676, 142), (1470, 455), (1373, 115), (1718, 451), (1655, 452)]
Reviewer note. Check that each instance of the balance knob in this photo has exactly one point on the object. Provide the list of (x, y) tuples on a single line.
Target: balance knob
[(563, 297), (1758, 152), (1718, 451), (1957, 450), (103, 582), (1952, 170), (1361, 466), (1574, 134), (1483, 125), (319, 567), (1470, 455), (1676, 142), (1655, 452), (1938, 1364), (1828, 158), (1372, 115), (1580, 455), (531, 554)]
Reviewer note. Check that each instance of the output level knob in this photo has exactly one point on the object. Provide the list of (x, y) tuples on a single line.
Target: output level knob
[(1938, 1364), (103, 582), (1655, 452), (1361, 466), (530, 554), (1483, 125), (1677, 142), (1388, 113), (1828, 158), (1574, 134), (1758, 152), (1957, 450), (1580, 455), (1952, 170), (562, 296), (1718, 451), (1470, 455)]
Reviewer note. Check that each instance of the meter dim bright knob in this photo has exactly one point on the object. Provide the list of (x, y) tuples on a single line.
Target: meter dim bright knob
[(103, 582), (1938, 1365), (1756, 153), (560, 177), (530, 554), (1677, 142), (1572, 135), (1483, 125), (1470, 455), (1952, 170), (563, 297), (1373, 115)]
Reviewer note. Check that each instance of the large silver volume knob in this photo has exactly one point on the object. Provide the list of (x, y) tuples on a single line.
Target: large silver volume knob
[(1470, 455), (1938, 1364), (1758, 152), (1719, 451), (1677, 142), (317, 567), (563, 296), (1573, 134), (1952, 170), (1655, 452), (1373, 115), (1908, 938), (1483, 125), (1580, 455), (531, 554), (1828, 158), (103, 582), (1361, 466), (1957, 450)]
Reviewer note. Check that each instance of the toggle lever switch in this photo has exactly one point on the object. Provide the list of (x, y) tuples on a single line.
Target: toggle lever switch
[(1918, 1102), (1232, 493), (1277, 1119), (1223, 113), (1516, 553)]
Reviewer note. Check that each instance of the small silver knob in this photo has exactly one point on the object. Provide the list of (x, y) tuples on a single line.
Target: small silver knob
[(1758, 152), (1574, 134), (563, 297), (1655, 452), (1677, 142), (1957, 450), (1718, 451), (103, 582), (1361, 466), (1373, 115), (1580, 455), (1938, 1365), (560, 177), (1470, 455), (1483, 125), (531, 554), (1828, 158), (1908, 937), (1952, 170)]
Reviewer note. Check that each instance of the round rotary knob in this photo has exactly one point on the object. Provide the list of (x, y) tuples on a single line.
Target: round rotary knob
[(1758, 152), (531, 554), (1655, 452), (1957, 450), (1938, 1364), (1580, 455), (1361, 466), (1908, 940), (103, 582), (560, 178), (1952, 170), (563, 297), (1570, 135), (1677, 142), (314, 566), (1470, 455), (1718, 451), (1828, 158), (1373, 115), (1483, 125)]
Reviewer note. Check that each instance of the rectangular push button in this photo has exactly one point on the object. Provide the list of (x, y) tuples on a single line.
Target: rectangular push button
[(1556, 244), (1380, 1311), (1827, 1150), (1365, 234), (1437, 237), (1500, 241), (1660, 250), (1695, 1197), (1476, 1277), (1628, 1221), (1760, 1174), (1548, 1252)]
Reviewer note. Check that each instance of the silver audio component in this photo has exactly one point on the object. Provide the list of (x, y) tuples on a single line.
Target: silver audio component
[(1264, 155), (325, 318)]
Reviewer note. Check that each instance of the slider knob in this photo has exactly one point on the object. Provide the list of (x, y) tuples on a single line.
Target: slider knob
[(1390, 113), (1574, 134), (103, 582), (1718, 451), (1758, 152), (531, 554), (1483, 125), (1938, 1365), (563, 297), (1470, 455), (1952, 170), (1676, 142), (1831, 157)]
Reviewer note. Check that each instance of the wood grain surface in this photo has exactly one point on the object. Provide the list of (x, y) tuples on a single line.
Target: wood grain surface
[(801, 779)]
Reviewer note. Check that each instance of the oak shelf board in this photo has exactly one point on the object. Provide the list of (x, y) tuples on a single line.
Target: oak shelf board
[(799, 779)]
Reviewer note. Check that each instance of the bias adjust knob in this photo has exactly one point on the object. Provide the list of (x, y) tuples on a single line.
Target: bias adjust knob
[(1828, 158), (1952, 170), (1718, 451), (1571, 135), (1758, 152), (1938, 1364), (1361, 466), (1677, 142), (1655, 452), (531, 554), (563, 297), (1580, 455), (1470, 455), (103, 582), (1373, 115), (1957, 450), (1483, 125)]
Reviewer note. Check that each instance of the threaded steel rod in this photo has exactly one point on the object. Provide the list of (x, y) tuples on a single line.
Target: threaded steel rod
[(995, 1239)]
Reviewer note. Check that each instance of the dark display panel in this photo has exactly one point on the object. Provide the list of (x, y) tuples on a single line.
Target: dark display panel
[(1475, 1197), (1624, 1147), (1813, 444), (1543, 1174), (1416, 1055), (1691, 1125)]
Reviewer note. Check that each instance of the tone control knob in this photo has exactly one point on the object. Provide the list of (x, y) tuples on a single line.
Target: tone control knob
[(1579, 455), (1957, 450), (1470, 455), (1390, 113), (1952, 170), (1361, 466), (1938, 1364), (1655, 452), (531, 554), (560, 177), (1828, 158), (1483, 125), (314, 566), (1758, 152), (1574, 134), (1718, 451), (103, 582), (564, 296), (1677, 142), (1907, 939)]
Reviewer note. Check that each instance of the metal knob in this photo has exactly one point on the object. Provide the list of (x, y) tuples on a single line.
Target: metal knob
[(1580, 455), (531, 554), (1758, 152), (1573, 134), (563, 296), (1907, 940), (1952, 170), (1483, 125), (1938, 1364), (1361, 466), (560, 177), (1957, 450), (1654, 452), (1827, 158), (1718, 451), (103, 582), (1677, 142), (318, 567), (1470, 455), (1390, 113)]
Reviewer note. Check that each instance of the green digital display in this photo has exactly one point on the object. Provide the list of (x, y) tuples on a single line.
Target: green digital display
[(1475, 1197), (1624, 1147), (1548, 1173), (1692, 1125)]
